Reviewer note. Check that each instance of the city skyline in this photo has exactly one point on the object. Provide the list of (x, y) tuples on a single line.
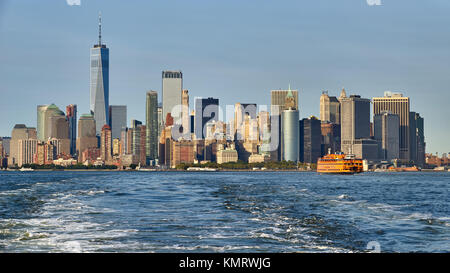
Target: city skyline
[(309, 90)]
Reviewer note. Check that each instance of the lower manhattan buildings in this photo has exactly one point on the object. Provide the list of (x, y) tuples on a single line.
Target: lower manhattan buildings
[(174, 134)]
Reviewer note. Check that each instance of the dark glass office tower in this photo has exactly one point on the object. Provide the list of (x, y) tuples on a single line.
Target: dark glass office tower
[(206, 110), (117, 119), (151, 122), (71, 113)]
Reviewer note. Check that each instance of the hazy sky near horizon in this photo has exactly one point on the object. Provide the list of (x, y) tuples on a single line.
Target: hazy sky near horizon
[(234, 50)]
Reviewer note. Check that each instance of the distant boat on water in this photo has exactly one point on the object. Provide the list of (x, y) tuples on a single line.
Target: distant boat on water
[(26, 169), (139, 168), (198, 169), (404, 169)]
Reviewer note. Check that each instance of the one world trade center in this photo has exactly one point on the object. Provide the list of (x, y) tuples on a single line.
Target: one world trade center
[(99, 88)]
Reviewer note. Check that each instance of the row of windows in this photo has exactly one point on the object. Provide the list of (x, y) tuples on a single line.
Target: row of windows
[(172, 75)]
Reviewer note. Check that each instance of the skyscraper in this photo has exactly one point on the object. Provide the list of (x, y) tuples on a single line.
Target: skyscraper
[(117, 119), (355, 118), (21, 150), (290, 138), (99, 87), (412, 137), (151, 121), (172, 86), (71, 112), (329, 109), (278, 98), (290, 135), (277, 105), (44, 115), (206, 110), (106, 144), (416, 139), (137, 140), (86, 134), (310, 140), (331, 137), (420, 136), (58, 129), (397, 105), (386, 131), (355, 128), (185, 118)]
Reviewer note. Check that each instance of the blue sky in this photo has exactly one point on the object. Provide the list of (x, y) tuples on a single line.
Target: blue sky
[(235, 50)]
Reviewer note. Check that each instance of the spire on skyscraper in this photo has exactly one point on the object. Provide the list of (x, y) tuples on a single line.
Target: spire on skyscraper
[(290, 101), (100, 28), (343, 94)]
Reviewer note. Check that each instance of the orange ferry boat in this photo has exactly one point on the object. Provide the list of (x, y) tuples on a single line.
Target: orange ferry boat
[(404, 169), (339, 163)]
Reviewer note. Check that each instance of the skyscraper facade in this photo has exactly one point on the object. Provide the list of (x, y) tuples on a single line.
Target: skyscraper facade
[(310, 140), (152, 124), (278, 105), (86, 134), (26, 151), (206, 110), (290, 138), (185, 118), (99, 86), (117, 119), (137, 141), (44, 115), (106, 144), (397, 105), (71, 113), (412, 137), (331, 137), (278, 97), (420, 136), (416, 139), (386, 131), (329, 109), (355, 118), (172, 86), (355, 128), (18, 146), (290, 135)]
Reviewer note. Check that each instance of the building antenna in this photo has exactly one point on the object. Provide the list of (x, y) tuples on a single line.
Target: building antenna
[(100, 28)]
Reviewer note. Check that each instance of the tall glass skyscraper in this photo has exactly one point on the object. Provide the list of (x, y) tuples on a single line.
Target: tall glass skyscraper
[(151, 122), (71, 112), (206, 110), (99, 87), (117, 119)]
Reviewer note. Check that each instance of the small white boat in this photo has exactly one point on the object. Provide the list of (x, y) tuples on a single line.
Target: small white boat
[(26, 169), (146, 170), (198, 169)]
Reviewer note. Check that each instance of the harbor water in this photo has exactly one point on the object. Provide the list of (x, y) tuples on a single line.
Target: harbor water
[(85, 211)]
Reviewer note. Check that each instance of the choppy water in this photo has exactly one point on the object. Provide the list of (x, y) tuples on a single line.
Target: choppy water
[(223, 212)]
